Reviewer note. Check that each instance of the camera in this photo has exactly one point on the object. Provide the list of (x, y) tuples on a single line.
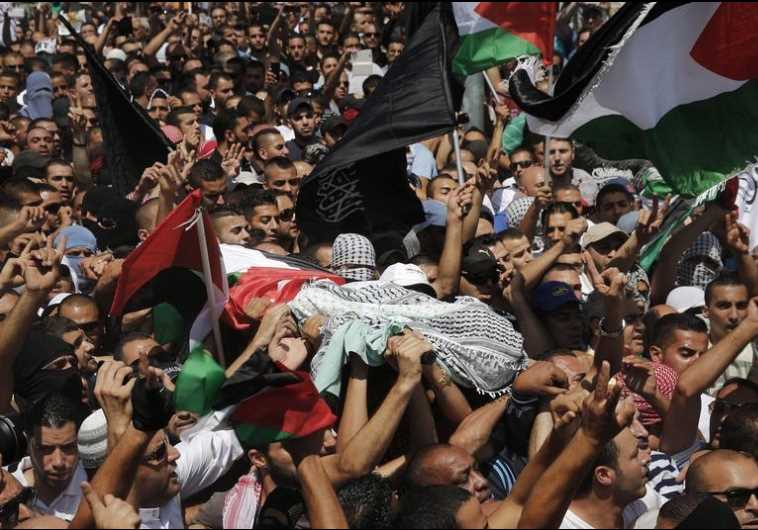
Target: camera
[(13, 441)]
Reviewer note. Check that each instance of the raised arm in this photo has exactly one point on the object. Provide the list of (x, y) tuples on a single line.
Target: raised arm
[(330, 86), (324, 509), (547, 505), (449, 280), (681, 423), (160, 39)]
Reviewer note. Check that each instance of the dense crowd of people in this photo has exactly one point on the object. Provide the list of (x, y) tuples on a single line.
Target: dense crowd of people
[(507, 363)]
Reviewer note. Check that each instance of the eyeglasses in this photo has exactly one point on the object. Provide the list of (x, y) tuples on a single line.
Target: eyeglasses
[(159, 455), (287, 215), (737, 498), (9, 510), (89, 327), (373, 34), (523, 164)]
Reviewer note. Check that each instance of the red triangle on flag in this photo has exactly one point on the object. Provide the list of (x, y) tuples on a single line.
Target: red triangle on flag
[(728, 45), (531, 21), (174, 243)]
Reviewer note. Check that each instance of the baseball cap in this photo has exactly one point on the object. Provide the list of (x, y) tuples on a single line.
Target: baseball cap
[(600, 231), (480, 265), (551, 296), (408, 276), (285, 94), (685, 298), (296, 104)]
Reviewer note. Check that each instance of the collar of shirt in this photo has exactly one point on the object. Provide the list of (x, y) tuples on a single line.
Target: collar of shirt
[(167, 516), (66, 504)]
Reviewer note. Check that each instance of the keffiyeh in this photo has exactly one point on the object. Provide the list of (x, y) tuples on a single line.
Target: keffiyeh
[(354, 258), (701, 263), (477, 347)]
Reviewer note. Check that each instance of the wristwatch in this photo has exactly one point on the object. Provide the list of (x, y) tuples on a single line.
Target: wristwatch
[(610, 334)]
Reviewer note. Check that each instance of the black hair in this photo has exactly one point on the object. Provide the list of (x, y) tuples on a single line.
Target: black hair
[(555, 208), (260, 134), (217, 76), (613, 188), (367, 502), (9, 208), (54, 411), (207, 170), (59, 326), (118, 352), (739, 431), (666, 326), (430, 507), (173, 117), (249, 104), (370, 84), (68, 60), (280, 162), (256, 198), (226, 120), (608, 457), (138, 84), (725, 279), (510, 234), (15, 186)]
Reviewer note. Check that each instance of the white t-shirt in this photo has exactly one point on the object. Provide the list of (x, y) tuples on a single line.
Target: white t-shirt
[(572, 521)]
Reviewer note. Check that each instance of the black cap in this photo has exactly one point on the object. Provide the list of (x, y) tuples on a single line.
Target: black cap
[(480, 265), (296, 104), (332, 122)]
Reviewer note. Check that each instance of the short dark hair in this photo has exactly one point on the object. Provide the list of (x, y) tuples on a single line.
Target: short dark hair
[(11, 74), (725, 279), (255, 198), (556, 208), (118, 352), (613, 188), (218, 76), (249, 104), (68, 60), (510, 234), (173, 117), (608, 457), (280, 162), (226, 120), (666, 326), (206, 170), (430, 507), (15, 186), (56, 162), (138, 84), (54, 411), (59, 326), (523, 149), (367, 502), (9, 208), (739, 431), (260, 134)]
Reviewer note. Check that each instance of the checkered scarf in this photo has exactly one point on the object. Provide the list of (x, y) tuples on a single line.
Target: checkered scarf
[(701, 263), (477, 347), (635, 276), (666, 379), (517, 210), (354, 258)]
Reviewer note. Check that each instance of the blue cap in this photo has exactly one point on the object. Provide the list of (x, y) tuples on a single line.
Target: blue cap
[(551, 296)]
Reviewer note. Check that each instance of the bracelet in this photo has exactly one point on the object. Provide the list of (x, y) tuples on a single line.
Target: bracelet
[(610, 334)]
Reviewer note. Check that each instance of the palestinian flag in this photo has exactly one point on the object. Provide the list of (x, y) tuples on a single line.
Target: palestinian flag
[(493, 32), (175, 245), (264, 401), (675, 83)]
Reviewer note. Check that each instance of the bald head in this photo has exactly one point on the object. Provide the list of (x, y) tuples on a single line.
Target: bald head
[(663, 310), (720, 471), (532, 179)]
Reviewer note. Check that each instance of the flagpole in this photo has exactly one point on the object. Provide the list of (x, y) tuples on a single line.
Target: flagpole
[(548, 176), (492, 87), (458, 164), (210, 286)]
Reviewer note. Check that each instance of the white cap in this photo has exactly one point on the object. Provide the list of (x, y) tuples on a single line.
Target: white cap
[(685, 298), (93, 440), (116, 53), (408, 276)]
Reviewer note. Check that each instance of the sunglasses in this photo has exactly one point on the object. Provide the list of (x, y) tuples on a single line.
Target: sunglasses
[(9, 510), (159, 455), (62, 363), (344, 84), (737, 498), (287, 215), (524, 164), (371, 34)]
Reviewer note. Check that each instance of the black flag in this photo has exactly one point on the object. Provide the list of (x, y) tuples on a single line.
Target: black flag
[(362, 185), (132, 140)]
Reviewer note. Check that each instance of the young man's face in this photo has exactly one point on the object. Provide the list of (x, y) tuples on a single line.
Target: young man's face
[(55, 455), (213, 192), (566, 327), (394, 51), (272, 146), (8, 88), (561, 157), (190, 127), (681, 350), (519, 252), (223, 91), (570, 196), (556, 227), (325, 35), (304, 124), (40, 140), (296, 49), (614, 206), (257, 38), (604, 251), (727, 309), (631, 468), (61, 177), (284, 180), (266, 219), (232, 230)]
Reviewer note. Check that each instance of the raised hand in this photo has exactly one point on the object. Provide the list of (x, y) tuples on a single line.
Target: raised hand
[(29, 219), (650, 222), (602, 420), (737, 235), (78, 121), (575, 228), (42, 267), (611, 283), (113, 391), (459, 203), (639, 376), (407, 351), (233, 159)]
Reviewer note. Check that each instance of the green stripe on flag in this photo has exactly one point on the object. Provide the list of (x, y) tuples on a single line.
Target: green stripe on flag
[(485, 49), (694, 146), (257, 436), (198, 383)]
